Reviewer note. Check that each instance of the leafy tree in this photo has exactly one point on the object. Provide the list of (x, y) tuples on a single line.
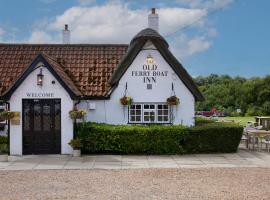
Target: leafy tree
[(228, 94)]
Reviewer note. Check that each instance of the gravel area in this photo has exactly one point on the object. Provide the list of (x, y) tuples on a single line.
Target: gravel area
[(214, 183)]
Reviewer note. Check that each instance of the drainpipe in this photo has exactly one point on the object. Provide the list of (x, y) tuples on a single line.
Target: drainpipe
[(8, 107)]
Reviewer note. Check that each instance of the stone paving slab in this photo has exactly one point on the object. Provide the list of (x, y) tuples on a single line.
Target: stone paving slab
[(243, 158)]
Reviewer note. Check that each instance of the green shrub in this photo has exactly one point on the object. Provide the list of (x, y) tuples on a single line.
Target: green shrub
[(3, 148), (124, 139), (202, 120), (102, 138), (3, 140), (214, 138)]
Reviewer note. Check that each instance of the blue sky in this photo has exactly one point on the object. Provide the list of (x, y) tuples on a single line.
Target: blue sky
[(223, 36)]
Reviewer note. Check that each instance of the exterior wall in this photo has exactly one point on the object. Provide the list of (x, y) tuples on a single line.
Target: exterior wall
[(29, 86), (112, 112)]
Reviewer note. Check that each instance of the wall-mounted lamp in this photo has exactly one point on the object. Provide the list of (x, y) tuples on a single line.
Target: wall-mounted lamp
[(150, 60), (40, 77)]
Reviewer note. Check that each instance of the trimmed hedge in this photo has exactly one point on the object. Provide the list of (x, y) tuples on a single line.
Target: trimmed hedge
[(214, 138), (3, 140), (3, 144), (202, 121), (158, 139), (102, 138)]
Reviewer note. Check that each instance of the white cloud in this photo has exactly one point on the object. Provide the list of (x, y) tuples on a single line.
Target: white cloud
[(40, 37), (197, 44), (206, 4), (116, 22), (184, 46)]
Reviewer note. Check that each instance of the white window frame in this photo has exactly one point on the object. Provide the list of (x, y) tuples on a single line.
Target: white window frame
[(148, 108)]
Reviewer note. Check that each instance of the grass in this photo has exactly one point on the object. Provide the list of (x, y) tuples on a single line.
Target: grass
[(240, 120)]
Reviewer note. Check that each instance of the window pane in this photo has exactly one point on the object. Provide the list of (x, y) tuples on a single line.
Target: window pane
[(152, 116), (152, 106), (132, 118), (26, 116), (163, 113), (138, 118), (146, 118), (138, 112), (47, 117), (138, 106), (132, 112), (57, 116), (37, 117), (146, 106), (132, 106)]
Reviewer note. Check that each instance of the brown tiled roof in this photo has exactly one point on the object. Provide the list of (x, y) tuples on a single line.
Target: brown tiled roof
[(86, 68), (60, 71)]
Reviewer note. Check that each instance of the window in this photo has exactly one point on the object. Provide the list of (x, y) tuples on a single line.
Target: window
[(149, 113)]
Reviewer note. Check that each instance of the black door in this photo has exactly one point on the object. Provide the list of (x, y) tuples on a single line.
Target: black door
[(41, 126)]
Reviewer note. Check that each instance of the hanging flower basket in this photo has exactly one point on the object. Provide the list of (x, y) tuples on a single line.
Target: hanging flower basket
[(173, 100), (126, 100), (77, 114), (6, 115)]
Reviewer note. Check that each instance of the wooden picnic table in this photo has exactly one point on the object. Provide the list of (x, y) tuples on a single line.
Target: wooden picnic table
[(259, 134)]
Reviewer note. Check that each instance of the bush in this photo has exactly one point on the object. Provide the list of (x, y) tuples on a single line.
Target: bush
[(3, 140), (102, 138), (214, 138), (254, 111), (202, 120), (124, 139), (3, 148)]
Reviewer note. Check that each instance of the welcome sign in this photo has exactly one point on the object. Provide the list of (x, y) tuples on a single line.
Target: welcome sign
[(40, 94)]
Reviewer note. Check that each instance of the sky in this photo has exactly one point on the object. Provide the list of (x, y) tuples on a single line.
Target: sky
[(207, 36)]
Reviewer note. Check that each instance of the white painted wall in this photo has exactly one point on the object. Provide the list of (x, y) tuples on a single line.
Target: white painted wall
[(29, 85), (112, 112)]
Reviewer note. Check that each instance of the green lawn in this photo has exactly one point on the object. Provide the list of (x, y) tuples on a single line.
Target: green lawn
[(240, 120)]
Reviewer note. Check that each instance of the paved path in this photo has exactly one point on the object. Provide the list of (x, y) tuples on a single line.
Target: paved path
[(241, 159)]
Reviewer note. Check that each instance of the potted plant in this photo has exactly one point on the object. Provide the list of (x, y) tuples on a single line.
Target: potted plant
[(6, 115), (76, 145), (173, 100), (3, 152), (77, 114), (126, 100)]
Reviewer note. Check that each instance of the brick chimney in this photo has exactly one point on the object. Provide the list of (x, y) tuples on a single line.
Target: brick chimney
[(66, 35), (153, 20)]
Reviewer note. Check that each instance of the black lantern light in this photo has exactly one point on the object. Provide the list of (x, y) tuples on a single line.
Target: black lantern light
[(40, 78)]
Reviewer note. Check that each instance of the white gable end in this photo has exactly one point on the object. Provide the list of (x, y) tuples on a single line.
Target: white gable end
[(153, 83)]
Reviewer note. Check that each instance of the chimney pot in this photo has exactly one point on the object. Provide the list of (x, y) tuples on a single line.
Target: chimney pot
[(153, 21), (66, 35)]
